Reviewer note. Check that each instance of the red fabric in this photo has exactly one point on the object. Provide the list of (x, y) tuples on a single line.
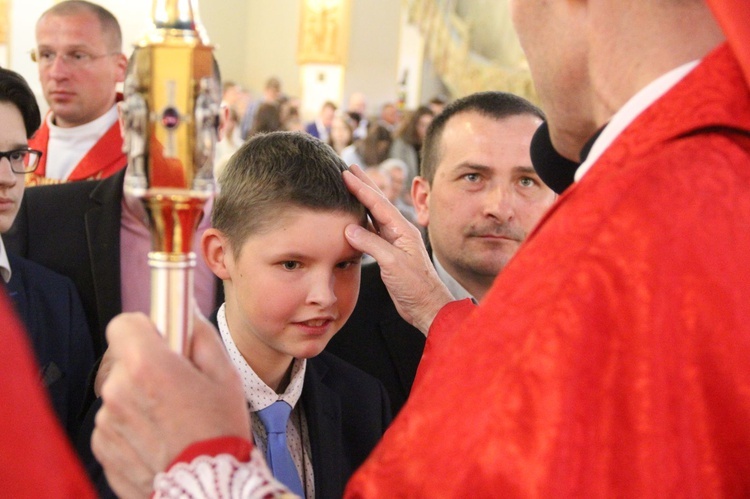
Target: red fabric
[(734, 18), (238, 447), (35, 457), (611, 357), (103, 160)]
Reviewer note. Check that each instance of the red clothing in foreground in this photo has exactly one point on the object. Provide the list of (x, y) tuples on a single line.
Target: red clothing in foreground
[(612, 356), (35, 457), (734, 18)]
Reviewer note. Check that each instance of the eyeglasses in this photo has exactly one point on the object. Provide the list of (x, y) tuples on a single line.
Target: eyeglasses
[(74, 59), (22, 160)]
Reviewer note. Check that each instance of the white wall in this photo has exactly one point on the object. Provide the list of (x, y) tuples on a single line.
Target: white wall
[(254, 39)]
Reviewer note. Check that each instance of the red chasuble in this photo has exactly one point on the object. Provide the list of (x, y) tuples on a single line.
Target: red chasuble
[(35, 457), (612, 356), (101, 161)]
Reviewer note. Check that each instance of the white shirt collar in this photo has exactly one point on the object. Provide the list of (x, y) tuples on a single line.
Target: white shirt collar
[(258, 394), (630, 111), (458, 291), (4, 263)]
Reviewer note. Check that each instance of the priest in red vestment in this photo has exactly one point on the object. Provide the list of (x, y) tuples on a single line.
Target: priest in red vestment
[(79, 53), (611, 358)]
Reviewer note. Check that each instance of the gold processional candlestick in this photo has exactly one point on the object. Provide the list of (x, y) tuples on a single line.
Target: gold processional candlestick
[(171, 116)]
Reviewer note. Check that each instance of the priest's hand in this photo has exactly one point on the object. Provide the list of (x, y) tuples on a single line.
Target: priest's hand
[(397, 246), (156, 402)]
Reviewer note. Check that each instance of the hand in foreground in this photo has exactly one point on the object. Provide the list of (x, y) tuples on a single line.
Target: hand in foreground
[(157, 402), (405, 266)]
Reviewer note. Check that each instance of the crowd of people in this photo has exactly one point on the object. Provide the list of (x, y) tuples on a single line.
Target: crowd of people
[(387, 144), (555, 302)]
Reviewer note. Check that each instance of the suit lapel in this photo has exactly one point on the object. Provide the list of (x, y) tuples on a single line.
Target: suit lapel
[(103, 238), (401, 341), (17, 292), (323, 412)]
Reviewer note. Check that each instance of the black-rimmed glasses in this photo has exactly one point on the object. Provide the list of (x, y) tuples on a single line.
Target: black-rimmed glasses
[(22, 160)]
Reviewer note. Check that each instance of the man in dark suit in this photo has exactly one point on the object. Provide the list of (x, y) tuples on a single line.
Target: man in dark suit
[(46, 302), (478, 196), (321, 127), (85, 217), (49, 306)]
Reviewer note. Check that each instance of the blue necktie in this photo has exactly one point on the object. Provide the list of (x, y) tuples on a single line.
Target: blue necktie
[(274, 418)]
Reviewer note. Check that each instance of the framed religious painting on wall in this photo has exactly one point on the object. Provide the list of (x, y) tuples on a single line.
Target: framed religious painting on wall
[(324, 32)]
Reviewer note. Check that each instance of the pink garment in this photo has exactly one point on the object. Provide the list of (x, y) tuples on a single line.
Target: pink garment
[(135, 274)]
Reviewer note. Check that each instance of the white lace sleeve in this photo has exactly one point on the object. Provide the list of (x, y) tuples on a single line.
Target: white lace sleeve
[(220, 477)]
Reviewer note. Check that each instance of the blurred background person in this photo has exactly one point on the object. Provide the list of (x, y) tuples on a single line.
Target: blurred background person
[(271, 95), (341, 135), (407, 141), (370, 150), (267, 119), (321, 126)]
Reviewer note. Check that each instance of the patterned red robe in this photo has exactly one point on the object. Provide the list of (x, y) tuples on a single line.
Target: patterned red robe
[(612, 356)]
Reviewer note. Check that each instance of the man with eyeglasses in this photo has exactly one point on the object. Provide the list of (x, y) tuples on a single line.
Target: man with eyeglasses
[(79, 53)]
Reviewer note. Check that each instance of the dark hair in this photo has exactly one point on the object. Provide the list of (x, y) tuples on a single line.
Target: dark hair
[(108, 22), (274, 171), (495, 105), (15, 90), (266, 119), (374, 147), (408, 130)]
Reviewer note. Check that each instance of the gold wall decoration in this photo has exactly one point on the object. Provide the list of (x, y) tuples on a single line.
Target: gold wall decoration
[(323, 32), (447, 45)]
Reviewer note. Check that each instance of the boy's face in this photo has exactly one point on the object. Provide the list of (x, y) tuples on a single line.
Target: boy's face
[(293, 287), (12, 136)]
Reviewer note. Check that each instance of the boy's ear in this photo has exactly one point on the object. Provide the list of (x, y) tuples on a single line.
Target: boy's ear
[(217, 252)]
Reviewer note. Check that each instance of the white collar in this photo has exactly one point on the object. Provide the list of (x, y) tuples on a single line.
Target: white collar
[(258, 394), (458, 291), (630, 111), (95, 128)]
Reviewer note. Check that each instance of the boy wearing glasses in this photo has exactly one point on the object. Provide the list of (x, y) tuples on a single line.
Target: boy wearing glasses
[(47, 303), (80, 59)]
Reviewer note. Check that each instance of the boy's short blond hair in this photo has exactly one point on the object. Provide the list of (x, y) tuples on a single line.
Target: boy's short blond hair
[(277, 170)]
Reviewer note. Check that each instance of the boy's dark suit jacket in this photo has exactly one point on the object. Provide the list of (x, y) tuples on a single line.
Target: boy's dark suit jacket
[(377, 340), (74, 230), (49, 307), (347, 413)]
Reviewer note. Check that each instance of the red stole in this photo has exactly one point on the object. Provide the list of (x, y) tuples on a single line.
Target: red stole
[(104, 159), (734, 18)]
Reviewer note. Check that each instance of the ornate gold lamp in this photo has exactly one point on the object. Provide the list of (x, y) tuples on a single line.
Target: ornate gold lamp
[(171, 116)]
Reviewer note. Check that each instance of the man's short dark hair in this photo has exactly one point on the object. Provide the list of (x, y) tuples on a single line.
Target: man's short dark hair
[(15, 90), (275, 171), (108, 22), (494, 105)]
